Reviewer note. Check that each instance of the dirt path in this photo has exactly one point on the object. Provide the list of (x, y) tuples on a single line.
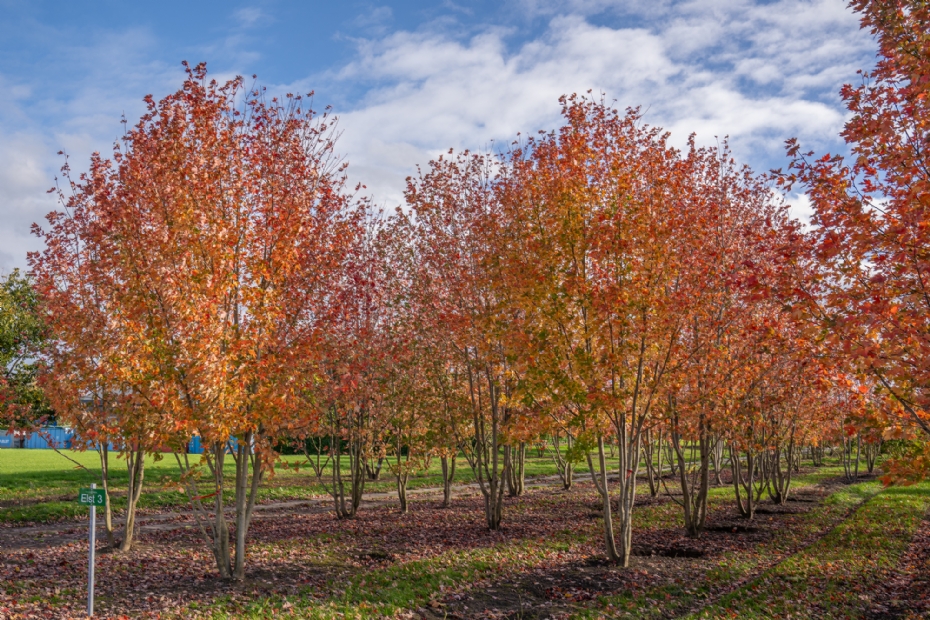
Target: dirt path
[(52, 534), (45, 535)]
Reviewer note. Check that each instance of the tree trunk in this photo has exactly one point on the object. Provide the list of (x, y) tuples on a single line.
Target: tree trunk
[(669, 457), (858, 452), (742, 483), (402, 491), (817, 456), (374, 471), (347, 501), (648, 456), (781, 478), (851, 463), (104, 452), (694, 483), (515, 464), (246, 494), (448, 475), (402, 474), (563, 463), (603, 488), (717, 458), (135, 463), (484, 457), (220, 527), (872, 450)]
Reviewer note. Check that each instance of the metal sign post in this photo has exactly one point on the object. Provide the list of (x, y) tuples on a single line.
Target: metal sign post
[(92, 497)]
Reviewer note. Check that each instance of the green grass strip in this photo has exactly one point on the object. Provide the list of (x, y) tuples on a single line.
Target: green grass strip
[(833, 577)]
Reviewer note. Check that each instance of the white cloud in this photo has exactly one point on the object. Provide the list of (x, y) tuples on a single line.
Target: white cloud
[(248, 16), (801, 208), (24, 180), (757, 73)]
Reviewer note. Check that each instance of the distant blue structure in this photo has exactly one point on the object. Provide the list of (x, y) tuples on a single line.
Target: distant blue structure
[(59, 436), (62, 438), (195, 446)]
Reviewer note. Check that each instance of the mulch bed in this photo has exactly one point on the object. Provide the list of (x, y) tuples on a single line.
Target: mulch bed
[(310, 552)]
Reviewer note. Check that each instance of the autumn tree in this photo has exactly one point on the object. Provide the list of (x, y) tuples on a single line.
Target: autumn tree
[(458, 218), (92, 377), (22, 334), (870, 215), (604, 271), (225, 227)]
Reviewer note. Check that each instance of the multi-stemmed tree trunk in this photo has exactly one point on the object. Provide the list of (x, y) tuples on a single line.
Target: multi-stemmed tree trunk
[(694, 480), (780, 481), (402, 467), (447, 464), (743, 480), (484, 455), (850, 455), (135, 463), (347, 494), (401, 477), (716, 456), (103, 449), (872, 449), (670, 456), (373, 468), (817, 453), (316, 455), (652, 457), (563, 462), (599, 477), (515, 465), (249, 470)]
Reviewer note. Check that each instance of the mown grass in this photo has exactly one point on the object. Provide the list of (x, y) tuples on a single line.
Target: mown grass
[(42, 485), (833, 578)]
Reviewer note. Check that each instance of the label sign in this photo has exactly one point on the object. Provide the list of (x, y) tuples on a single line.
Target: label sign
[(92, 497)]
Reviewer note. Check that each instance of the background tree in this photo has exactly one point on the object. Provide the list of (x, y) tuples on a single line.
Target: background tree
[(870, 217), (21, 337), (457, 219)]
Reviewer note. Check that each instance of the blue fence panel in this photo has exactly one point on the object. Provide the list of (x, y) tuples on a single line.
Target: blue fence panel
[(195, 445), (59, 437), (63, 439)]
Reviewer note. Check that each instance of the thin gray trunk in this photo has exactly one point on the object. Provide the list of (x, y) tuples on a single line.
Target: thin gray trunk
[(135, 463), (448, 475)]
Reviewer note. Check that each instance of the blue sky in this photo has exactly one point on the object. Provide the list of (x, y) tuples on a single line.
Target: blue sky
[(412, 79)]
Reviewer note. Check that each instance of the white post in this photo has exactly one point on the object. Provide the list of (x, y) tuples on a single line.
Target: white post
[(92, 538)]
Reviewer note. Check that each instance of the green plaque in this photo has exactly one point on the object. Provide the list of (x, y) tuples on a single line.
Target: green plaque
[(92, 497)]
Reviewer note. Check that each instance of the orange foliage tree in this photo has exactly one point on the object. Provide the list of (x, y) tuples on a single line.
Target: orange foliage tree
[(223, 227), (870, 216)]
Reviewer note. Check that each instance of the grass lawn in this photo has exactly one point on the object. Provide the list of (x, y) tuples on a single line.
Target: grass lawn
[(42, 485), (836, 576), (819, 556)]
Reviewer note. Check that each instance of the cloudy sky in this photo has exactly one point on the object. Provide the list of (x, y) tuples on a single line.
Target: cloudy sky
[(412, 79)]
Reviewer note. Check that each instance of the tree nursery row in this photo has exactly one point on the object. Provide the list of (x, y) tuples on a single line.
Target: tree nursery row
[(646, 310)]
